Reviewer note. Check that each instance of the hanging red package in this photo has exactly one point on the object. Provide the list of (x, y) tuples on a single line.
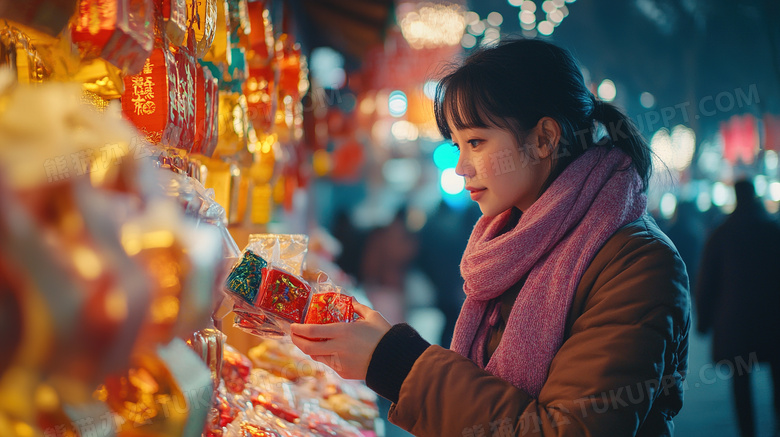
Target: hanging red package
[(154, 103), (206, 112), (260, 97), (185, 90), (119, 31), (261, 38)]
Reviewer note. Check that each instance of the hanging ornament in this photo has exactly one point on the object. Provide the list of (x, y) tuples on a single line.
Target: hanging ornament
[(261, 97), (155, 99), (119, 31), (239, 193), (18, 52), (220, 47), (186, 76), (238, 20), (218, 178), (260, 40), (233, 124), (201, 21), (289, 57), (206, 113), (174, 15)]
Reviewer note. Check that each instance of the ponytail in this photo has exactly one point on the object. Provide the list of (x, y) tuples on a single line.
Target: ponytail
[(623, 134)]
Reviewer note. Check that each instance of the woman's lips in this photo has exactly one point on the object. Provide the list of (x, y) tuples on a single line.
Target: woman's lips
[(476, 193)]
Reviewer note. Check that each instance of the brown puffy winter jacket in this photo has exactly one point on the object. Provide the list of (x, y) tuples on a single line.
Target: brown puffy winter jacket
[(619, 372)]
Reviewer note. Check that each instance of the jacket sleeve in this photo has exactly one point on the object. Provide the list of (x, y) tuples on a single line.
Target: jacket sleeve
[(620, 354)]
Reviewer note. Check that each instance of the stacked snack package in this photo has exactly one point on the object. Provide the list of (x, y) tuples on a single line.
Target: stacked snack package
[(269, 293), (278, 391)]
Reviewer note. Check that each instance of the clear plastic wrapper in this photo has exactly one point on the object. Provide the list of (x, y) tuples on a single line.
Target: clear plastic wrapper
[(329, 305), (265, 285), (285, 251)]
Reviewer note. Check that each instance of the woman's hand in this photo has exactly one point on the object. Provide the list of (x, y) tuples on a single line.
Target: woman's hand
[(345, 347)]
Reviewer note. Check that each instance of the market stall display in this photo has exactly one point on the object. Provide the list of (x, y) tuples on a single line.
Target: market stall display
[(120, 173)]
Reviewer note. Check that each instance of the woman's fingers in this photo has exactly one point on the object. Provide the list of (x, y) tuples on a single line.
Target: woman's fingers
[(312, 331), (313, 347)]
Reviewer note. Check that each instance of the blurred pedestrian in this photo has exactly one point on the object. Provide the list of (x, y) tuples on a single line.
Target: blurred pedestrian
[(387, 256), (442, 242), (687, 232), (738, 296)]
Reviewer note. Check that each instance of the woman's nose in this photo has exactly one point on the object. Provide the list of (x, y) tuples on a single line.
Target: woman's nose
[(464, 167)]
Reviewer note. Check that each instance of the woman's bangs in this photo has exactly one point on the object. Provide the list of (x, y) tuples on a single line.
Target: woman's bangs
[(462, 105)]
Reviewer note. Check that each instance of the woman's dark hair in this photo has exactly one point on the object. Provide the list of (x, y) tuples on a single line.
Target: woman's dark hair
[(513, 85)]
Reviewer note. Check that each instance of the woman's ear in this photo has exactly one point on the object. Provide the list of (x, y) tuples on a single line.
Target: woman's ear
[(549, 135)]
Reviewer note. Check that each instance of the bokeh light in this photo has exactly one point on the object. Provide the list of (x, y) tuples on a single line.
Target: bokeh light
[(433, 25), (397, 103), (546, 27), (495, 19), (647, 100), (668, 205), (445, 156), (451, 183), (607, 91)]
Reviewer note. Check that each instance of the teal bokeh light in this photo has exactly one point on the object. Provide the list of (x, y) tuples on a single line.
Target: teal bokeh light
[(445, 156)]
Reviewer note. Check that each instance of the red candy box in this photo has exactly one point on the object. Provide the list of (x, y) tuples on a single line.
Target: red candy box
[(330, 308), (284, 294)]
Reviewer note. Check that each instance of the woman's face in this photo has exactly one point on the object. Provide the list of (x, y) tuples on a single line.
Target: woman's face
[(499, 172)]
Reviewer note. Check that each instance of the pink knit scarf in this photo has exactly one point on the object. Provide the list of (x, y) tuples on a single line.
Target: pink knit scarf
[(553, 243)]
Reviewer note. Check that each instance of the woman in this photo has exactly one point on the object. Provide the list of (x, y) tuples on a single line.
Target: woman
[(577, 307)]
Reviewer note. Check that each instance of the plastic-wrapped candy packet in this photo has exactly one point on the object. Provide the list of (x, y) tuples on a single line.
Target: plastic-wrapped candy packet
[(284, 295), (246, 277), (266, 287), (329, 305)]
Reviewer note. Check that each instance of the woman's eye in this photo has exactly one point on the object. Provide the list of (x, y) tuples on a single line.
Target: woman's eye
[(475, 143), (456, 146)]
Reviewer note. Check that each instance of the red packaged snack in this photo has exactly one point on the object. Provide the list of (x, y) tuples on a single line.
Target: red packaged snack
[(330, 308), (235, 370), (252, 430), (227, 413), (276, 405), (284, 294)]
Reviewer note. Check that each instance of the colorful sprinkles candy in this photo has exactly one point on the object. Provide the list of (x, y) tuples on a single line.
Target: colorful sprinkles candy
[(246, 278), (284, 294)]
